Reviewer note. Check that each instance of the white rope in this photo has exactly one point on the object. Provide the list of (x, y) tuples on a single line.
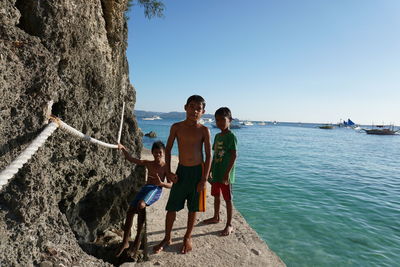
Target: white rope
[(17, 164), (13, 168), (77, 133), (120, 125)]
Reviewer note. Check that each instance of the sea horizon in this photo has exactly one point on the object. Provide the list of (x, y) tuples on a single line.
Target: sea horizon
[(174, 115)]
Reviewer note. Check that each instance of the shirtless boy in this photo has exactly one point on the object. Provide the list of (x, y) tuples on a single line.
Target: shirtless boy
[(149, 193), (190, 178)]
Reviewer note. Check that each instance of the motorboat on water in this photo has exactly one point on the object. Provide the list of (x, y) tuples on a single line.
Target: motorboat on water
[(326, 127), (246, 123), (155, 117), (206, 120)]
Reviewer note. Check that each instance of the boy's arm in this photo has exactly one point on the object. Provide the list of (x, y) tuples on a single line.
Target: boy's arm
[(210, 175), (232, 150), (207, 164), (166, 184), (230, 166), (170, 142), (130, 158)]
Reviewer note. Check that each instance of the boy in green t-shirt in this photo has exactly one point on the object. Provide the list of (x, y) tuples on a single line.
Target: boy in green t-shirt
[(223, 167)]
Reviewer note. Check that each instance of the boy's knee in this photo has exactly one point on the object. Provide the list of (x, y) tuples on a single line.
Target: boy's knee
[(141, 205)]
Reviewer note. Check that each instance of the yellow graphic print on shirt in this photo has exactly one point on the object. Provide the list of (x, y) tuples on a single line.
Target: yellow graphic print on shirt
[(219, 148)]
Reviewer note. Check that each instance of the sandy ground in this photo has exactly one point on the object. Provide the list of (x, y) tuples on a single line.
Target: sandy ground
[(242, 248)]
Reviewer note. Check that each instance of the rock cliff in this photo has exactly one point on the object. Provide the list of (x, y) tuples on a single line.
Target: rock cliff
[(71, 52)]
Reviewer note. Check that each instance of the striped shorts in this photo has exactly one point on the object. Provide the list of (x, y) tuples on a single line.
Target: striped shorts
[(149, 193)]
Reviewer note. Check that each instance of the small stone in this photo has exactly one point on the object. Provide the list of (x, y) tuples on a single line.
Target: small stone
[(151, 134), (51, 251)]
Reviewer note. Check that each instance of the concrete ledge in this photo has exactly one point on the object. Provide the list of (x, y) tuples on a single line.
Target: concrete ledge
[(242, 248)]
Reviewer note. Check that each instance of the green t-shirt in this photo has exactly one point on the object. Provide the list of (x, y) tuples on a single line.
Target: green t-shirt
[(223, 147)]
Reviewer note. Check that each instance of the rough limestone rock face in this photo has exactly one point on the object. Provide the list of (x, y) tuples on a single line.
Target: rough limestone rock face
[(71, 52)]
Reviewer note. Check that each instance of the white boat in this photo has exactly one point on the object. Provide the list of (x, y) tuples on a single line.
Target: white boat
[(152, 118), (262, 123), (247, 123), (206, 120)]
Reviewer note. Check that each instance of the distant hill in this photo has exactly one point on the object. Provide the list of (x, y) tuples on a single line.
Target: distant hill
[(165, 115)]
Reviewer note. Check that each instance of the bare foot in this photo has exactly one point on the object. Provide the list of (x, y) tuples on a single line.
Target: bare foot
[(211, 220), (160, 247), (123, 247), (133, 251), (227, 231), (187, 245)]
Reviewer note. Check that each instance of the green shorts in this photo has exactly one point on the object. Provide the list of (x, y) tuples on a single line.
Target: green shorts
[(186, 189)]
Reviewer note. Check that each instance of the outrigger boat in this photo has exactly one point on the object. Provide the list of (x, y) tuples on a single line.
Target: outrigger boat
[(348, 124), (381, 130)]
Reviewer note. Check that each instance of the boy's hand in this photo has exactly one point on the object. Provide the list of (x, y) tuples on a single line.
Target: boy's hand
[(157, 180), (210, 178), (201, 185), (225, 179), (172, 177), (121, 147)]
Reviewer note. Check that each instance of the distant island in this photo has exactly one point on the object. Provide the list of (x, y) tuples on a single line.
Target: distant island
[(166, 115)]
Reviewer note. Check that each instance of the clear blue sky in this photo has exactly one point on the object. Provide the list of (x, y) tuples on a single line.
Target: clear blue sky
[(284, 60)]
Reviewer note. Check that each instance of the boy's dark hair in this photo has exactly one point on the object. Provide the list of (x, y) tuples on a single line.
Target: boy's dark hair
[(197, 99), (158, 145), (225, 112)]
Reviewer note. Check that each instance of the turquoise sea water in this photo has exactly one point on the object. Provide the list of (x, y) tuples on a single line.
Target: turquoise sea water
[(317, 197)]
